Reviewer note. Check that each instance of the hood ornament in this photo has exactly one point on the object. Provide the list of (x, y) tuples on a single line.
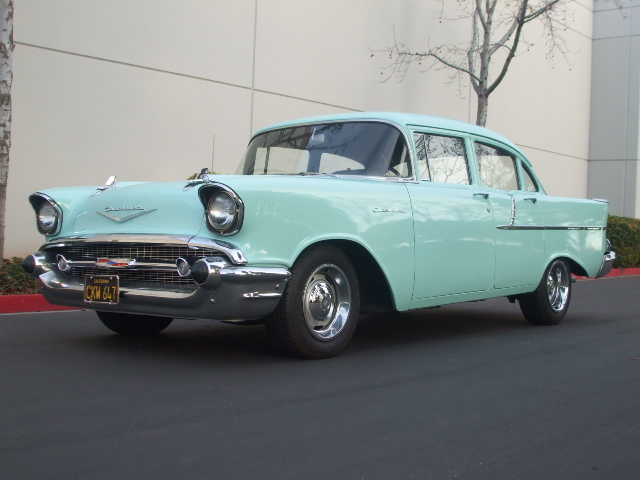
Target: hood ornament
[(121, 219), (202, 177), (111, 183)]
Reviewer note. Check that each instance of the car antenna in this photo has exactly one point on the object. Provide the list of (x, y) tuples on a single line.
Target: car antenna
[(213, 151)]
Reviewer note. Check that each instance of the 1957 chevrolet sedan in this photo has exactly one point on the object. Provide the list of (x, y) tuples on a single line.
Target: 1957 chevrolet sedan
[(326, 218)]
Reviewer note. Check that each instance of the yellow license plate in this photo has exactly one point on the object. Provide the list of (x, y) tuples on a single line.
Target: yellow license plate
[(102, 289)]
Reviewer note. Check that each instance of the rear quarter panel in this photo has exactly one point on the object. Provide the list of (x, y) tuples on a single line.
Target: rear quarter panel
[(584, 246)]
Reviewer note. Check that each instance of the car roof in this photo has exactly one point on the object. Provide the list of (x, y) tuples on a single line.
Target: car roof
[(406, 120)]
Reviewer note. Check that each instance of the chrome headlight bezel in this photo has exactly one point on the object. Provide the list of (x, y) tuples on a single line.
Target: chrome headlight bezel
[(224, 209), (48, 214)]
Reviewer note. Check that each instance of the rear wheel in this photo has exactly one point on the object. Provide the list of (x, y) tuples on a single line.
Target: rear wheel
[(548, 304), (134, 325), (317, 314)]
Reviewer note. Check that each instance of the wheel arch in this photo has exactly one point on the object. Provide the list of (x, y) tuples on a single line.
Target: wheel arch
[(375, 292), (575, 267)]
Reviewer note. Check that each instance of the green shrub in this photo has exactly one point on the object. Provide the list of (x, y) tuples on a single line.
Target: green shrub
[(624, 234), (14, 280)]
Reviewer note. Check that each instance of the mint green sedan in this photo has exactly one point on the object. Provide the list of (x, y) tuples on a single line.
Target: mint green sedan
[(325, 219)]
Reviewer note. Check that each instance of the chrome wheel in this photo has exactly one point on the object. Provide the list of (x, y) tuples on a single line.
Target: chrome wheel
[(318, 312), (326, 301), (558, 284), (548, 304)]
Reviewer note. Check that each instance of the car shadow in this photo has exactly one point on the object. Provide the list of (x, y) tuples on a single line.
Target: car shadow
[(437, 325), (216, 342)]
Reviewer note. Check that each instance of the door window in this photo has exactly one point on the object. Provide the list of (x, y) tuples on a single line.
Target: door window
[(497, 167), (442, 159)]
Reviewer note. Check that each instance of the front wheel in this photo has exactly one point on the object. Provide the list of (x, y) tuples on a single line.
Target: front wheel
[(134, 325), (317, 314), (548, 304)]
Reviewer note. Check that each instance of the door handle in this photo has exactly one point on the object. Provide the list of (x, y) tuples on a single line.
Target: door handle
[(531, 199), (483, 195)]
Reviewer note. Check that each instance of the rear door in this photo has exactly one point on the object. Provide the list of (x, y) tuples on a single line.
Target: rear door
[(515, 198)]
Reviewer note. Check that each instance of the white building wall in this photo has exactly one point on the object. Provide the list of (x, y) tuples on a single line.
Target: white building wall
[(614, 171), (139, 89)]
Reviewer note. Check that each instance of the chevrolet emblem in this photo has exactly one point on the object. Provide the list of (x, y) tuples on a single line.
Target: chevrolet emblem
[(139, 211)]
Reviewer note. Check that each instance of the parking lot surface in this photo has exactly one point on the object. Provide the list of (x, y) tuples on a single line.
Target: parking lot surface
[(467, 391)]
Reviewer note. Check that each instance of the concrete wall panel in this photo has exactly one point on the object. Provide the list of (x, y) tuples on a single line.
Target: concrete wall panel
[(206, 39), (560, 175)]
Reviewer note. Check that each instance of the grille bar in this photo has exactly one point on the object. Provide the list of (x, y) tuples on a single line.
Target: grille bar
[(148, 251)]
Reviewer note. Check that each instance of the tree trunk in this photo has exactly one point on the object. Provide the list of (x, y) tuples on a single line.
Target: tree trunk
[(483, 106), (6, 78)]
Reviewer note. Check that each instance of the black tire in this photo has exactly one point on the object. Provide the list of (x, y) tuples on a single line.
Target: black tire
[(548, 304), (318, 312), (134, 325)]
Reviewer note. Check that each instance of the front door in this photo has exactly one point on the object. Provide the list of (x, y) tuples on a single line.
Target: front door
[(453, 222)]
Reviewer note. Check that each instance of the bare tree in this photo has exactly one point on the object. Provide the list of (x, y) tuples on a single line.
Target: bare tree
[(6, 78), (496, 35)]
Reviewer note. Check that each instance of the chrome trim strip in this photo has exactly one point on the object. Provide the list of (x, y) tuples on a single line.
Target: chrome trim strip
[(133, 265), (234, 254), (122, 238), (513, 210), (195, 243), (544, 227), (253, 295), (248, 275)]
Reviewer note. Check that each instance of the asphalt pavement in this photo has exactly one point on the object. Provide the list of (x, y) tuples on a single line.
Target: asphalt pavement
[(461, 392)]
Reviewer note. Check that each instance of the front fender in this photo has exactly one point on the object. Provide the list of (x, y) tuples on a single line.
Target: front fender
[(286, 215)]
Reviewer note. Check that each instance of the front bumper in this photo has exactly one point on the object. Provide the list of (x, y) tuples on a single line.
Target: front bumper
[(231, 291)]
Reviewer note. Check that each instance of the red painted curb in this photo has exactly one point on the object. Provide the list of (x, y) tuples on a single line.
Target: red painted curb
[(623, 272), (28, 303)]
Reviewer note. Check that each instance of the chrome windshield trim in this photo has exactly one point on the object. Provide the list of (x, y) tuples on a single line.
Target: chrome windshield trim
[(235, 255)]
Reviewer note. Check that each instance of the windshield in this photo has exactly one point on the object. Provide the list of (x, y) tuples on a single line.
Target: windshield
[(353, 148)]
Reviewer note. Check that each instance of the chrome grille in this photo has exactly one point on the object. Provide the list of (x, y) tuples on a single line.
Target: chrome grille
[(139, 251)]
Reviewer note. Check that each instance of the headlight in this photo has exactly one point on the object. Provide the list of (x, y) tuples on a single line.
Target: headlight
[(47, 218), (223, 208), (48, 214), (224, 212)]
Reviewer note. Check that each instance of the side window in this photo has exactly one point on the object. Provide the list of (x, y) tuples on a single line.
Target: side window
[(529, 184), (442, 159), (497, 167)]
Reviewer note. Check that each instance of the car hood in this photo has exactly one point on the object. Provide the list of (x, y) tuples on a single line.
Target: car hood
[(152, 208)]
